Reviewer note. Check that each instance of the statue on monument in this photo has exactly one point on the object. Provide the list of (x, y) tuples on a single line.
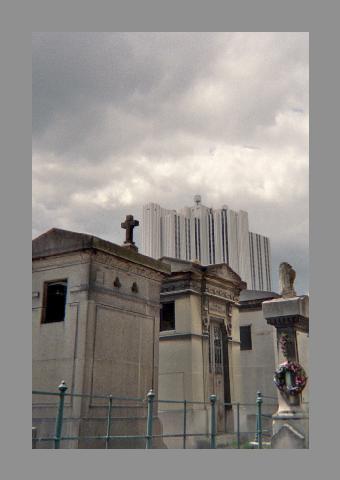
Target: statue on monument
[(287, 276)]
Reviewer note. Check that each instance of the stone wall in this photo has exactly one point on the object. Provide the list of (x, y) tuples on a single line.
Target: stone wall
[(108, 342)]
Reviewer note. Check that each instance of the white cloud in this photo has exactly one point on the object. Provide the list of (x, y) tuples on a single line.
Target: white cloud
[(122, 119)]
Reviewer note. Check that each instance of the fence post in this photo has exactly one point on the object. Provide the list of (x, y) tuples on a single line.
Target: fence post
[(150, 397), (34, 437), (238, 425), (185, 424), (259, 419), (108, 428), (59, 421), (213, 399)]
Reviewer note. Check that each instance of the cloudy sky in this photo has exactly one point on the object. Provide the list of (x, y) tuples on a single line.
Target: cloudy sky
[(121, 119)]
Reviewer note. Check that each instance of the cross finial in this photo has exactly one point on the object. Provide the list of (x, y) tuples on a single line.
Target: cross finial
[(129, 225)]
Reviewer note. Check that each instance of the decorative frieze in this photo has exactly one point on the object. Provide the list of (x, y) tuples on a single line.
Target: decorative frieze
[(299, 322), (217, 307), (227, 294), (63, 260), (109, 260)]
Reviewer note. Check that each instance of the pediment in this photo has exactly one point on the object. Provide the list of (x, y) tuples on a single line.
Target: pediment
[(225, 272)]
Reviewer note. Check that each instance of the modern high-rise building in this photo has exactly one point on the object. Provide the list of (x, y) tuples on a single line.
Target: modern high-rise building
[(210, 236)]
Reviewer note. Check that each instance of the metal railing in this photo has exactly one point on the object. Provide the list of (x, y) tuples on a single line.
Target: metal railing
[(149, 436)]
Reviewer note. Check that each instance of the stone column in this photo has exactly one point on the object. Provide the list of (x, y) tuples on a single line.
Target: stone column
[(288, 315)]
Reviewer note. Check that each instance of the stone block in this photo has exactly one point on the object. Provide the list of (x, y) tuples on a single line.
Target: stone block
[(281, 307), (288, 437)]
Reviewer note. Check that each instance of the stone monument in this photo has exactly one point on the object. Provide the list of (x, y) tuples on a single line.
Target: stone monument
[(289, 314), (287, 277), (95, 325), (196, 347), (129, 224)]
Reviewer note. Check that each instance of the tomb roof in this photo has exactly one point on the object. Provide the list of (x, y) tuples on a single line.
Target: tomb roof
[(57, 241)]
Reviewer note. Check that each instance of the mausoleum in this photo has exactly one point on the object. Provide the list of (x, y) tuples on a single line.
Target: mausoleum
[(196, 344), (95, 326)]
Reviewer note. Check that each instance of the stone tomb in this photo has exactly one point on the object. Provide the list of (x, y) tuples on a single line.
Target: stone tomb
[(96, 326), (196, 347)]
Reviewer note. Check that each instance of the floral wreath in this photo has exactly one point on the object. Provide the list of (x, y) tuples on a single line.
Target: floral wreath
[(297, 374)]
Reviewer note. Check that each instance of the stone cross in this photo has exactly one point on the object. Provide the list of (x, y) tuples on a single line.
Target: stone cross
[(129, 225)]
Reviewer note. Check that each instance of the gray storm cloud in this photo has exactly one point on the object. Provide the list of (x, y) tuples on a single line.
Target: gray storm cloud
[(120, 119)]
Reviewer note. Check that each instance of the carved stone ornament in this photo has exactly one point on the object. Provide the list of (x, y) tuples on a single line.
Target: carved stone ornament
[(227, 294), (217, 306), (287, 276), (205, 316), (229, 316), (205, 324), (128, 267)]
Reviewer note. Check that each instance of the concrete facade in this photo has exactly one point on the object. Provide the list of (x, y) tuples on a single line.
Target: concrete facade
[(108, 340), (211, 236)]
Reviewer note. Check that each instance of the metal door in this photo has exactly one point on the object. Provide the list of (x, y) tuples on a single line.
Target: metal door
[(217, 371)]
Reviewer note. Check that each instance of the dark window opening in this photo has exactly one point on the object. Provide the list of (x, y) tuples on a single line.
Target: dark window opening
[(223, 241), (218, 349), (179, 237), (245, 337), (215, 350), (226, 236), (54, 301), (209, 236), (213, 238), (167, 316), (196, 250), (199, 238)]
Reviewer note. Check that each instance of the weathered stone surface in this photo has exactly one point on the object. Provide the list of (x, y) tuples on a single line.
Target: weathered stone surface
[(289, 315), (108, 341), (204, 297), (287, 277), (57, 241), (129, 225), (286, 307), (253, 369), (288, 437)]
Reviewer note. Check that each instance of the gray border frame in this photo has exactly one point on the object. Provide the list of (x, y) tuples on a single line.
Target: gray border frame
[(321, 21)]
